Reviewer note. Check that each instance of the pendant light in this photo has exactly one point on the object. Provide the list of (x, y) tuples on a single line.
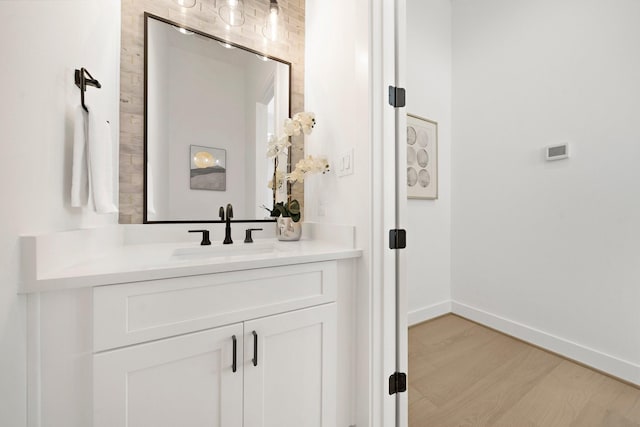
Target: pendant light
[(232, 12), (186, 3), (270, 30)]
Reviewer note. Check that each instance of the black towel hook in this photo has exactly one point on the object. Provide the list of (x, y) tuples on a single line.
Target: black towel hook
[(82, 82)]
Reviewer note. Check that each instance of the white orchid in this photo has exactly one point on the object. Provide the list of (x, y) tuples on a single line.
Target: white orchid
[(279, 178), (292, 127), (300, 123), (306, 120), (277, 146), (308, 165)]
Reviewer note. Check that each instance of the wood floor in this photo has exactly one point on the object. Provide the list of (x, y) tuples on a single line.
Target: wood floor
[(463, 374)]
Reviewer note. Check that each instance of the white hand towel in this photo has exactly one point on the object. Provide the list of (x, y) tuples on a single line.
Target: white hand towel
[(100, 155), (79, 172)]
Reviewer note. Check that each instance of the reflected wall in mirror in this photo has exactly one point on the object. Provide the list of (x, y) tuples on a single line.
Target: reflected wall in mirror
[(202, 91), (203, 18)]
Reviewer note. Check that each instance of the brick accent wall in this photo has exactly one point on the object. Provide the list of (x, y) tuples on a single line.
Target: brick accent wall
[(203, 17)]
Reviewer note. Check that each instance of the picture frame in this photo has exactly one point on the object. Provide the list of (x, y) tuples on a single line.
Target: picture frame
[(208, 168), (422, 158)]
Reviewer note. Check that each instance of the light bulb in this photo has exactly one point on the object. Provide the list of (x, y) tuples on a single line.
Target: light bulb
[(270, 30), (186, 3)]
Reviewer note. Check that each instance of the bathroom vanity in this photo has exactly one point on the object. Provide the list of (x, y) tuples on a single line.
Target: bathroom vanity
[(173, 333)]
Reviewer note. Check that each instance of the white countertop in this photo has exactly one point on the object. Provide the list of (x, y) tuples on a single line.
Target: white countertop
[(123, 263)]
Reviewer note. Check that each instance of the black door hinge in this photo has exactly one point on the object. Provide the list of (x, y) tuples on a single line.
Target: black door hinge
[(397, 96), (397, 383), (397, 239)]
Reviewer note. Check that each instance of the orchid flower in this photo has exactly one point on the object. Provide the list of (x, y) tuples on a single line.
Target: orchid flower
[(280, 178), (308, 165)]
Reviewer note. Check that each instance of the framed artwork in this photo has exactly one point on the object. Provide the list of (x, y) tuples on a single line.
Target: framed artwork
[(208, 168), (422, 158)]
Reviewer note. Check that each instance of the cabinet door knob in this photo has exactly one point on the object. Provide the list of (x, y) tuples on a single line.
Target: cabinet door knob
[(234, 365), (255, 348)]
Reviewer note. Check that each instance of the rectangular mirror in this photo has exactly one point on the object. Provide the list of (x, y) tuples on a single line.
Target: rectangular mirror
[(209, 109)]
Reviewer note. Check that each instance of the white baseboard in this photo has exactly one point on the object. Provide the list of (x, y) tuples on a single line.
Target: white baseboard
[(428, 313), (622, 369)]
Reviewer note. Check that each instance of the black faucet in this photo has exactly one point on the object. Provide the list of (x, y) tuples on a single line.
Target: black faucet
[(205, 236), (247, 234), (227, 228)]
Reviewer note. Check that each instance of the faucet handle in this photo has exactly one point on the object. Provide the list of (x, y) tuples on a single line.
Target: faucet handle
[(205, 236), (247, 235), (221, 213), (229, 211)]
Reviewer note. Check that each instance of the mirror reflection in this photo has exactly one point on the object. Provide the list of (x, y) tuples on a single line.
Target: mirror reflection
[(209, 109)]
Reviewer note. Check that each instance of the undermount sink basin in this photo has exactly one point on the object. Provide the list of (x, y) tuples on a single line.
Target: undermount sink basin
[(220, 250)]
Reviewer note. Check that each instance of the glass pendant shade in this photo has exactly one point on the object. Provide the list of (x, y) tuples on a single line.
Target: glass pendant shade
[(270, 29), (186, 3), (232, 12)]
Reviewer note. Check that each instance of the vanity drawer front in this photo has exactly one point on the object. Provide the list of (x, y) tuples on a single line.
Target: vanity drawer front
[(137, 312)]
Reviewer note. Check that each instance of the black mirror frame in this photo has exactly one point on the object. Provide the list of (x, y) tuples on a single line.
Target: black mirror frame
[(148, 16)]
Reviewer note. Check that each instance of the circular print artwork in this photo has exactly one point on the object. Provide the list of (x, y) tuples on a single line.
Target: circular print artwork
[(412, 177), (422, 137), (203, 159), (423, 158), (424, 178), (411, 156), (411, 135)]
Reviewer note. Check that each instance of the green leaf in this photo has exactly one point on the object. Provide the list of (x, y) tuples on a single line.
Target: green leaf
[(295, 217), (294, 207), (280, 209)]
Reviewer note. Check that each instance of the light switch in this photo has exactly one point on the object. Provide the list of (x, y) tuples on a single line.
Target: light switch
[(345, 163), (322, 208)]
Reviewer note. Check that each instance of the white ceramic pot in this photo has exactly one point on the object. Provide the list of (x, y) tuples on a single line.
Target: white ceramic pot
[(287, 230)]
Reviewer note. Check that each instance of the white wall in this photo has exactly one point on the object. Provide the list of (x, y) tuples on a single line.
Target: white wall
[(550, 249), (43, 42), (195, 121), (337, 90), (429, 96)]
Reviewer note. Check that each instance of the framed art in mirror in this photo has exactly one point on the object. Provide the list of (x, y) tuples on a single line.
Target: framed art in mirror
[(208, 168)]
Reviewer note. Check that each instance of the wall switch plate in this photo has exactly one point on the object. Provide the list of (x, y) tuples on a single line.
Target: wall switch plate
[(322, 208), (345, 163)]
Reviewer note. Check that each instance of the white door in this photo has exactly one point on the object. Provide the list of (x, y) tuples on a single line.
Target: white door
[(182, 381), (402, 341), (290, 368), (390, 208)]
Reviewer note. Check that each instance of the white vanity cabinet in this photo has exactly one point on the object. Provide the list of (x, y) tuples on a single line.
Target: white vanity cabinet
[(181, 381), (164, 350), (292, 382)]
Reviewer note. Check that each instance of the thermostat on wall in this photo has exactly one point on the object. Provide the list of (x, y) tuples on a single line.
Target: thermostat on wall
[(557, 152)]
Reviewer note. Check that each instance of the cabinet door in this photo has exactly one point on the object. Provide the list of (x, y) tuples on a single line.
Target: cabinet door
[(181, 381), (293, 381)]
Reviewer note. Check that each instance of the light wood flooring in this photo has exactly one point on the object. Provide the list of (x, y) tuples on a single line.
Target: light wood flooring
[(463, 374)]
